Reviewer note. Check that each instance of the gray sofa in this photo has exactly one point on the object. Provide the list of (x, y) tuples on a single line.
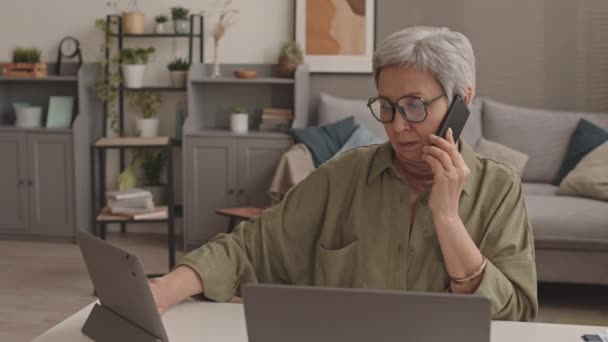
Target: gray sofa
[(570, 233)]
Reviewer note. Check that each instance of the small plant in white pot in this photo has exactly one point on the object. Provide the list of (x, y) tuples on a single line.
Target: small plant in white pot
[(161, 24), (146, 103), (177, 71), (181, 23), (239, 120), (152, 164), (134, 65)]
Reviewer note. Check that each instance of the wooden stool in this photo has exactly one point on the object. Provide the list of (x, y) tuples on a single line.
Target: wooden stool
[(235, 214)]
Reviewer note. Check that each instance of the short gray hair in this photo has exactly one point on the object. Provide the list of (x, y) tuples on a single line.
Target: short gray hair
[(446, 54)]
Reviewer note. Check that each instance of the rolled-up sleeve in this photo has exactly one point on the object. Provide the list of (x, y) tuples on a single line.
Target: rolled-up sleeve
[(277, 247), (509, 279)]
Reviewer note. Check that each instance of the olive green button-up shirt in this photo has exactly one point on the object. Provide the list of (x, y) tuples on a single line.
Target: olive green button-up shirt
[(347, 225)]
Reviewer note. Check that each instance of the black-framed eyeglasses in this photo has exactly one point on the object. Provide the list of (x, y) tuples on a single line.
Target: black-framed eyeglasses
[(412, 108)]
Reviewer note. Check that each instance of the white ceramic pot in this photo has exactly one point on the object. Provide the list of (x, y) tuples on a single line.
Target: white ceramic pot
[(147, 127), (159, 193), (161, 28), (178, 78), (133, 75), (181, 26), (28, 117), (239, 122)]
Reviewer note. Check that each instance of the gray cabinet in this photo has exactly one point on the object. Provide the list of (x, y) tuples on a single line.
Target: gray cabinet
[(13, 174), (226, 170), (37, 197)]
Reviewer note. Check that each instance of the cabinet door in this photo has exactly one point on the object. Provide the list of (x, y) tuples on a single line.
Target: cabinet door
[(258, 160), (51, 184), (13, 188), (209, 184)]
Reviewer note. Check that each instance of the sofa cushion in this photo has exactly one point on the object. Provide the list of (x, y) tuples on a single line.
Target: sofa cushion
[(503, 154), (323, 142), (539, 189), (590, 177), (332, 109), (568, 221), (541, 134), (472, 130), (585, 138)]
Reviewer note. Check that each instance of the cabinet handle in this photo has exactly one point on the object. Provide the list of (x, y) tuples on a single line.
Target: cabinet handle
[(230, 192), (29, 183), (21, 182), (241, 191)]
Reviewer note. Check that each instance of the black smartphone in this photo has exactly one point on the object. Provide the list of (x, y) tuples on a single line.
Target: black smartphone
[(456, 118)]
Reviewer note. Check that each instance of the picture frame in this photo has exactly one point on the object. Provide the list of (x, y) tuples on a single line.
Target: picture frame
[(337, 36), (60, 110)]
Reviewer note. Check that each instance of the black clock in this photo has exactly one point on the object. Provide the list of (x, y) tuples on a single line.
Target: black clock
[(68, 47)]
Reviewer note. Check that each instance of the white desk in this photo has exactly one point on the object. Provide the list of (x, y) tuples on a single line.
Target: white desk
[(203, 321)]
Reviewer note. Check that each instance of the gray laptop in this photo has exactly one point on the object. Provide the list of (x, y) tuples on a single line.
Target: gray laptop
[(127, 311), (303, 314)]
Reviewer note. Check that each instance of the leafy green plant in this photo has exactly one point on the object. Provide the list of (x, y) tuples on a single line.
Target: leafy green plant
[(152, 164), (108, 81), (179, 13), (145, 102), (26, 55), (239, 110), (136, 56), (178, 64), (292, 51), (161, 18)]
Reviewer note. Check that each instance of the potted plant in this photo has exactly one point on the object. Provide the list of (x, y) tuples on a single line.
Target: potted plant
[(291, 55), (178, 70), (134, 65), (146, 103), (181, 24), (26, 63), (107, 85), (239, 120), (152, 163), (134, 21), (161, 24)]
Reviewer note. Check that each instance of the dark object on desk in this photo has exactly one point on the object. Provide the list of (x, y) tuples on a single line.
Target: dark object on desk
[(119, 317), (236, 214), (592, 338)]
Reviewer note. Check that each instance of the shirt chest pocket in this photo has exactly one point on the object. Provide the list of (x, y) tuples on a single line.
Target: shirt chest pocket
[(337, 267)]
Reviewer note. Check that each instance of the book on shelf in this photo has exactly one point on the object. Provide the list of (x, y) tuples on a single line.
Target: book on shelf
[(137, 203), (277, 111), (128, 194), (157, 213), (130, 211), (266, 127)]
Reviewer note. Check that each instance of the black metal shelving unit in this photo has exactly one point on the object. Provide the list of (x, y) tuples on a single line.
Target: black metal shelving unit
[(121, 144)]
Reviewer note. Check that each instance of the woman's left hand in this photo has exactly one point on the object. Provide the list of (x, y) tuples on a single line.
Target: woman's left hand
[(450, 173)]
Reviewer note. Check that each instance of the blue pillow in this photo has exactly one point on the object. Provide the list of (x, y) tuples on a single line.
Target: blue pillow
[(361, 137), (585, 138), (323, 142)]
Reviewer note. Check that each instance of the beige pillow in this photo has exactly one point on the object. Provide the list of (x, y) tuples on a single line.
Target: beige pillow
[(513, 158), (590, 176)]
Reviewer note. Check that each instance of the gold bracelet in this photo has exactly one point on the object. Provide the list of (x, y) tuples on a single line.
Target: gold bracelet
[(478, 272)]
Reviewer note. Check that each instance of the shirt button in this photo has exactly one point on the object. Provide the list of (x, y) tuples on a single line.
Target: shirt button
[(399, 248), (411, 250)]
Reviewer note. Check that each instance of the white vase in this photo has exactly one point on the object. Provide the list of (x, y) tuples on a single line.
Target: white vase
[(133, 75), (178, 78), (181, 26), (147, 127), (161, 28), (28, 117), (239, 122)]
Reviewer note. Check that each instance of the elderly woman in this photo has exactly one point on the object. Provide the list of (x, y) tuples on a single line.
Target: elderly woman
[(418, 213)]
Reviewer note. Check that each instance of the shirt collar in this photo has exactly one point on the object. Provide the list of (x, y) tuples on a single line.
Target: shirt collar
[(383, 161)]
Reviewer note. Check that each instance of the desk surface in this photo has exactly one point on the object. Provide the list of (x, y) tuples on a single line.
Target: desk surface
[(203, 321)]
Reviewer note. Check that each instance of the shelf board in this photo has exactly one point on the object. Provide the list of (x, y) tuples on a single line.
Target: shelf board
[(158, 88), (72, 78), (257, 80), (227, 133), (35, 129), (118, 142), (107, 217), (156, 35)]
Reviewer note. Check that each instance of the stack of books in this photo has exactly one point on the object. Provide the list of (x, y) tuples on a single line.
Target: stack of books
[(135, 204), (276, 120)]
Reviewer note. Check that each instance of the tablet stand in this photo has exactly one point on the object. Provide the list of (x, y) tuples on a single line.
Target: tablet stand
[(103, 325)]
